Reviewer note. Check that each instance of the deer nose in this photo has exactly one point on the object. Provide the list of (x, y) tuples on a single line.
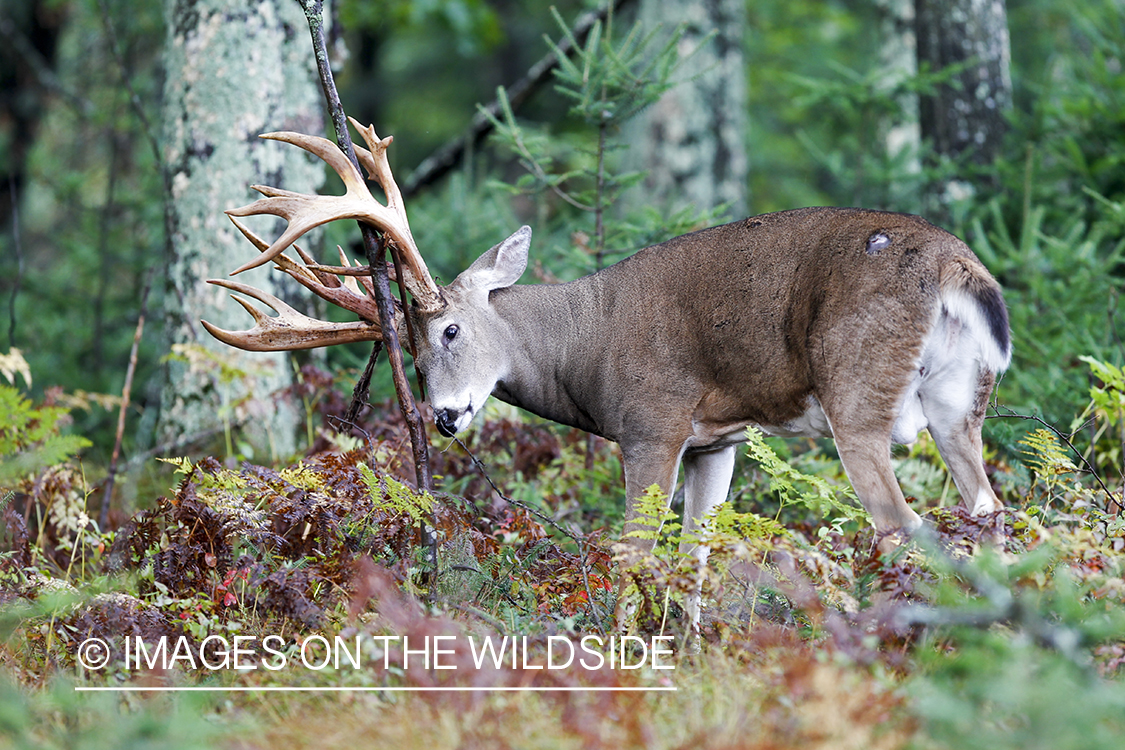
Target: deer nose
[(446, 421)]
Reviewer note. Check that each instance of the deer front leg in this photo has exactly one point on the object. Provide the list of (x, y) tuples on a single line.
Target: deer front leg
[(644, 467)]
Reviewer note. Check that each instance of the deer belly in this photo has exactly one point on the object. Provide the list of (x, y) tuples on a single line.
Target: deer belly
[(909, 421), (811, 423)]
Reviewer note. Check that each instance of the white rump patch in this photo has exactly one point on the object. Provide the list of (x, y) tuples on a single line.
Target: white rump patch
[(944, 387)]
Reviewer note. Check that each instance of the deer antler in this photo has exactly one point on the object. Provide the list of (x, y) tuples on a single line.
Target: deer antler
[(304, 212), (291, 329)]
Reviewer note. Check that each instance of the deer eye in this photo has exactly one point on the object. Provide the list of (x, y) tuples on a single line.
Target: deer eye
[(451, 333)]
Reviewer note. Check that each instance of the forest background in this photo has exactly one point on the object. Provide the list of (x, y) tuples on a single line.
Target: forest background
[(829, 104)]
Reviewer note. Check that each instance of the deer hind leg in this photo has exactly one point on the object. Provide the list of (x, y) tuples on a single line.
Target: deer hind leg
[(707, 478), (955, 403), (866, 457), (862, 420), (863, 440)]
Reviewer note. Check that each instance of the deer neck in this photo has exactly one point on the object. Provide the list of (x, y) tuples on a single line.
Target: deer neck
[(557, 351)]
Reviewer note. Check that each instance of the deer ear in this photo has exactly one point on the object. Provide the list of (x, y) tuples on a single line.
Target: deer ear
[(501, 266)]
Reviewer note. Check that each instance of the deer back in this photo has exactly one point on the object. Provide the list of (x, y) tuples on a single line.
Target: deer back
[(735, 323)]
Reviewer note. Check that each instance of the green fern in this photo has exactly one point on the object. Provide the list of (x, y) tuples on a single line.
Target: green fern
[(30, 438), (303, 477), (183, 464), (792, 486), (392, 496), (726, 525), (1045, 455), (216, 478), (1047, 458), (722, 527), (653, 512), (659, 521)]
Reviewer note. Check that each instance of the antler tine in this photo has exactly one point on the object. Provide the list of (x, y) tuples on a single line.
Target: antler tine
[(341, 295), (349, 281), (323, 273), (365, 279), (304, 212), (363, 273), (415, 274), (289, 329), (318, 280)]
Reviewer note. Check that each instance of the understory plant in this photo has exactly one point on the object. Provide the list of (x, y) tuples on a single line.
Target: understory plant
[(575, 175)]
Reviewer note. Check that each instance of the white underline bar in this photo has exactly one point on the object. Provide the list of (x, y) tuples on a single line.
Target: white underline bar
[(338, 689)]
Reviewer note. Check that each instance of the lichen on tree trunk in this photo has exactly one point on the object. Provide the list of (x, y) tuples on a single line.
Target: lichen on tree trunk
[(235, 69), (691, 142), (965, 118)]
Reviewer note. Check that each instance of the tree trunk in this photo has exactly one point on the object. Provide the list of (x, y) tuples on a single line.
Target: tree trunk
[(963, 120), (30, 31), (236, 69), (901, 135), (691, 142)]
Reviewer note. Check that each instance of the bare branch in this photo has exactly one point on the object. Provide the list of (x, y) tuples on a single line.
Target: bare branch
[(376, 259), (126, 391)]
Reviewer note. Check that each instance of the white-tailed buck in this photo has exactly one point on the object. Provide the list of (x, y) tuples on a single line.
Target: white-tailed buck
[(860, 325)]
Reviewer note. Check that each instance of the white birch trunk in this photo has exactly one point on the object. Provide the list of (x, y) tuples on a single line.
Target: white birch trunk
[(692, 142), (235, 69), (965, 120)]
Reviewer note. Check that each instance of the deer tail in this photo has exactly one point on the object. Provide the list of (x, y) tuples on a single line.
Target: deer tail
[(970, 294)]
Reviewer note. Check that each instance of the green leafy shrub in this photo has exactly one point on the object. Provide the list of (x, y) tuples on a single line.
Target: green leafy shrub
[(1061, 303), (576, 176), (1010, 659), (31, 438)]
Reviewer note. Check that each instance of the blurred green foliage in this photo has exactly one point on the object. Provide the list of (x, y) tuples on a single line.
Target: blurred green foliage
[(90, 220), (30, 439), (60, 717)]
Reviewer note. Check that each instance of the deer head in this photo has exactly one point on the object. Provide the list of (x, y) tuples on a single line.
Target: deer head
[(459, 341)]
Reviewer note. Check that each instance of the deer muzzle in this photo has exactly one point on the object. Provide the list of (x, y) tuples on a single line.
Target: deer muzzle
[(446, 421)]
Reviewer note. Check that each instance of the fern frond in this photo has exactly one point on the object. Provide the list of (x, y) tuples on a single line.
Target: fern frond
[(653, 512), (392, 496), (1045, 455), (793, 486)]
